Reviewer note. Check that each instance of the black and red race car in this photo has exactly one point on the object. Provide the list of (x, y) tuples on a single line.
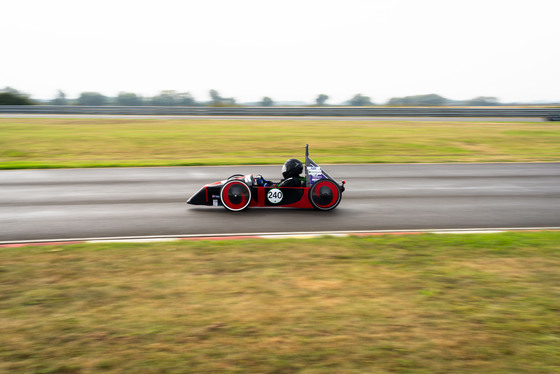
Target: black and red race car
[(316, 189)]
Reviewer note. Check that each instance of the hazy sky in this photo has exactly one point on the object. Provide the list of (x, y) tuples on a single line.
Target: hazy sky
[(287, 50)]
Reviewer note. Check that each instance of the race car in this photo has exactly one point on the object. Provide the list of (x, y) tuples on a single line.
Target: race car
[(316, 189)]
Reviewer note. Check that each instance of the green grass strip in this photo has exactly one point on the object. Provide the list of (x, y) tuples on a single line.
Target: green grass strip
[(56, 143)]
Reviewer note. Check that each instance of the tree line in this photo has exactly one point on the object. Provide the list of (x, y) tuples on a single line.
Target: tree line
[(174, 98), (10, 96)]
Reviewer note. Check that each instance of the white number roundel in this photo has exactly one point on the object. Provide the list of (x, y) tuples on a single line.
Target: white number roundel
[(274, 196)]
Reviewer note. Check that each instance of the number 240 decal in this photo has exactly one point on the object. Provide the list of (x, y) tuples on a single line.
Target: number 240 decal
[(274, 196)]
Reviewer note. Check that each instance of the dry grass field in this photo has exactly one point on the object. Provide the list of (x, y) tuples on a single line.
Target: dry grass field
[(428, 303)]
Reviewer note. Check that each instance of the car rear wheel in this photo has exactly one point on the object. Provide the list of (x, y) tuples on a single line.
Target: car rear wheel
[(235, 195), (325, 194)]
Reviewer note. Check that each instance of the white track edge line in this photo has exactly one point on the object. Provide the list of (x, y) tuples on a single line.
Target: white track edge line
[(280, 234)]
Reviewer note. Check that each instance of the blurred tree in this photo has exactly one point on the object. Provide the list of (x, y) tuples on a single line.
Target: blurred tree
[(217, 100), (267, 101), (396, 101), (483, 101), (10, 96), (60, 99), (128, 99), (360, 100), (91, 98), (165, 98), (418, 100), (186, 99), (321, 99), (170, 97)]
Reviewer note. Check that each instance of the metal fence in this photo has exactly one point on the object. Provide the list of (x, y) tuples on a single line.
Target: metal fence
[(548, 113)]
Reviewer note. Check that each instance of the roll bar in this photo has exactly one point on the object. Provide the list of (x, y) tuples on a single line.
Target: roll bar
[(310, 162)]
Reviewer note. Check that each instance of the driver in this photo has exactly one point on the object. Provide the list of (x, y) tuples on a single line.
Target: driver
[(291, 172)]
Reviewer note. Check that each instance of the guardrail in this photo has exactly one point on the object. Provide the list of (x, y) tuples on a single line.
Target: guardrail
[(547, 113)]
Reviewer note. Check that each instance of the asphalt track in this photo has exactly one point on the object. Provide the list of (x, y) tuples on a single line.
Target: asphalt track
[(126, 202)]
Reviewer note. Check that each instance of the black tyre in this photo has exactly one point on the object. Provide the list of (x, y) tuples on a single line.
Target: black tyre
[(235, 195), (325, 194)]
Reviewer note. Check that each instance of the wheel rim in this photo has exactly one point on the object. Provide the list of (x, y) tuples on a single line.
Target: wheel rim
[(325, 195), (235, 195)]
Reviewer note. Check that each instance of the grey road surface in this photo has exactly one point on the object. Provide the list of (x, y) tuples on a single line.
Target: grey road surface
[(87, 203)]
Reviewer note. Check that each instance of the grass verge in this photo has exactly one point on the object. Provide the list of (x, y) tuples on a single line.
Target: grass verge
[(388, 304), (53, 143)]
